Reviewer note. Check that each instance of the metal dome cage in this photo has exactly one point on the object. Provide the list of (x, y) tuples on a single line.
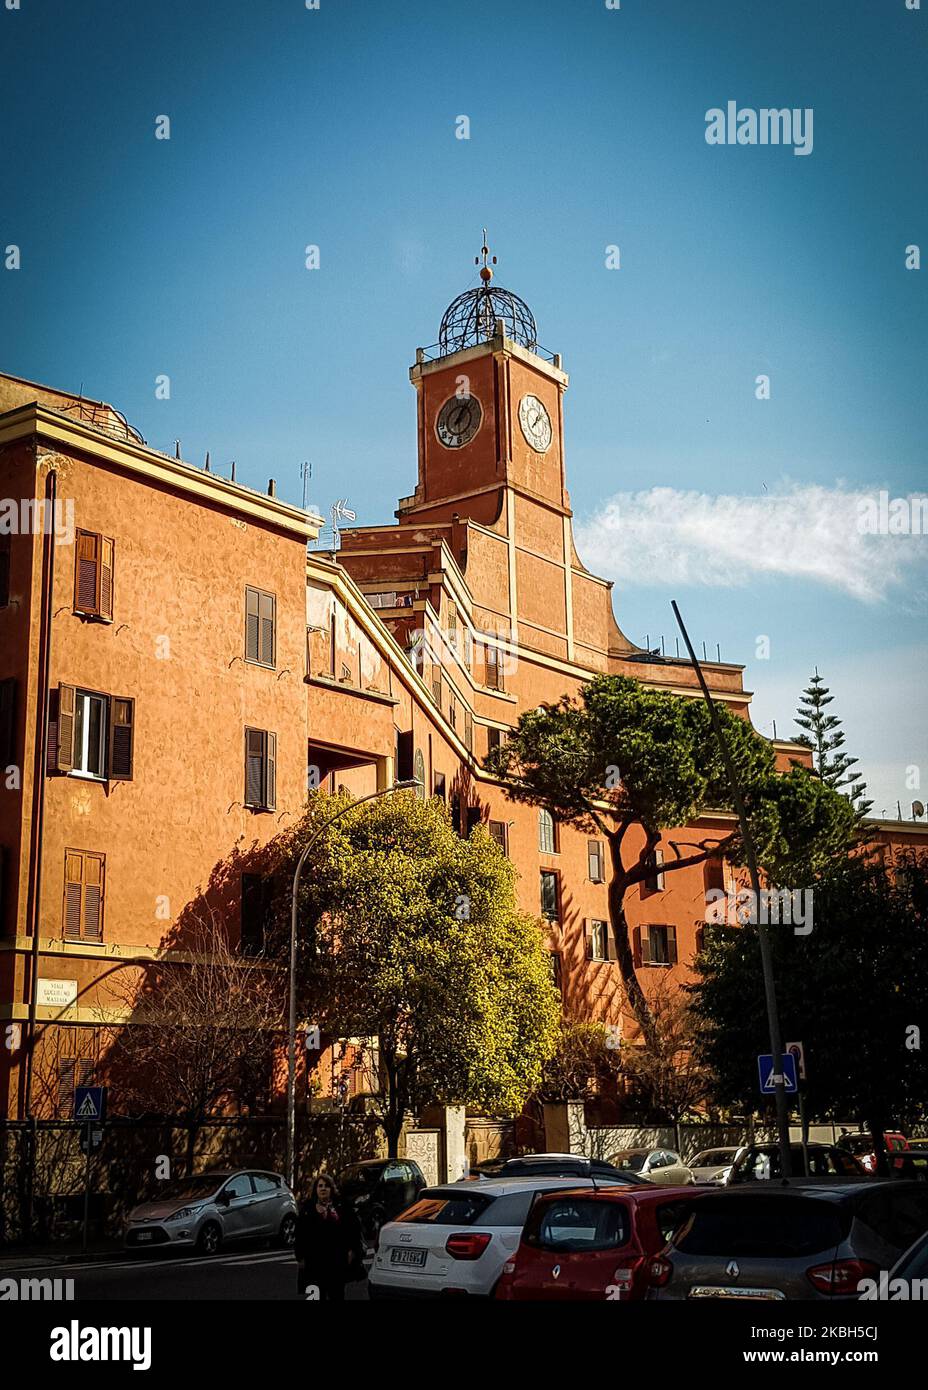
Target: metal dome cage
[(471, 319)]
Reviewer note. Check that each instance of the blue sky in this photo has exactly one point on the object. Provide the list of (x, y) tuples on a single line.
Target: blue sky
[(336, 127)]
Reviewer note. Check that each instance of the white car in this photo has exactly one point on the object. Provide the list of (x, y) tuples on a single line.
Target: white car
[(663, 1166), (455, 1238), (712, 1165)]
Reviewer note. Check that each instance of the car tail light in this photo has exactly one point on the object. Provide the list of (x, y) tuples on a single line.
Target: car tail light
[(841, 1276), (467, 1245), (659, 1271)]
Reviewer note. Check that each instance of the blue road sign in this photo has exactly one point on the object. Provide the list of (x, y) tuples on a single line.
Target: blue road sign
[(765, 1073), (90, 1103)]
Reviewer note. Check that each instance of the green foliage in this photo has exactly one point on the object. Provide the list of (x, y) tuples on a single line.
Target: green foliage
[(581, 1064), (850, 990), (822, 733), (416, 938)]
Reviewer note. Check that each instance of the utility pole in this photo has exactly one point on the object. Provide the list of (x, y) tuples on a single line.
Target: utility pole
[(766, 959)]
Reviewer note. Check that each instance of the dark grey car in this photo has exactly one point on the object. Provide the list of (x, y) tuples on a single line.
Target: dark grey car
[(810, 1240)]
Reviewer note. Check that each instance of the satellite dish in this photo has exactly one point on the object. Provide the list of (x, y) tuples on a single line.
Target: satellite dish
[(917, 809)]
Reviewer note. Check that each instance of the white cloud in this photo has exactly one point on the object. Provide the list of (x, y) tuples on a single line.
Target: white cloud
[(668, 536)]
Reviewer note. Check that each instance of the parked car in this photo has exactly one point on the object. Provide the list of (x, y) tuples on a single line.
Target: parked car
[(662, 1166), (208, 1210), (760, 1162), (455, 1239), (917, 1155), (712, 1165), (569, 1165), (593, 1244), (380, 1188), (912, 1264), (863, 1147), (803, 1241)]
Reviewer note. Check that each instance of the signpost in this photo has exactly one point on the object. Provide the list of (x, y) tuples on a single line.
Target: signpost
[(796, 1049), (90, 1111), (770, 1079)]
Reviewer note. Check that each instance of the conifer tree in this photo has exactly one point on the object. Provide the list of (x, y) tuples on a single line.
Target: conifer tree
[(822, 733)]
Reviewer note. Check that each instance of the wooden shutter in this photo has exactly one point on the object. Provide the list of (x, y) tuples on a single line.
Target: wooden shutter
[(609, 934), (92, 929), (468, 731), (498, 830), (644, 945), (7, 722), (588, 940), (254, 767), (66, 1069), (267, 642), (87, 572), (672, 945), (658, 876), (107, 561), (121, 738), (64, 733), (6, 549), (255, 902), (73, 894), (252, 624), (270, 768), (83, 895)]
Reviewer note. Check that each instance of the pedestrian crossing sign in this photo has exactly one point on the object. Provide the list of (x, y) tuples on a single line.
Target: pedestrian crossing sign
[(90, 1103)]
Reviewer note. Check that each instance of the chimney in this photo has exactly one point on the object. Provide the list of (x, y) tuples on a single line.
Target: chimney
[(271, 488)]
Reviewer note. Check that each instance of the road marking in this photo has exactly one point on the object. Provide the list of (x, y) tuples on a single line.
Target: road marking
[(189, 1262)]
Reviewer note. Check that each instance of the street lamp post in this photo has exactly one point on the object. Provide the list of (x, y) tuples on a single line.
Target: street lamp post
[(291, 1053)]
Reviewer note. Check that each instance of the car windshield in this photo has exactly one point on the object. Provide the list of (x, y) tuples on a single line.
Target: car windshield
[(361, 1175), (634, 1159), (712, 1157)]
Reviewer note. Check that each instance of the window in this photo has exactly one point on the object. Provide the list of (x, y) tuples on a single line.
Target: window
[(7, 723), (266, 1184), (93, 734), (468, 730), (238, 1187), (714, 875), (6, 546), (438, 785), (256, 901), (658, 945), (72, 1072), (494, 677), (452, 712), (260, 770), (556, 968), (456, 814), (654, 883), (600, 944), (595, 860), (473, 817), (82, 908), (499, 831), (419, 773), (494, 739), (404, 755), (260, 627), (547, 832), (549, 895), (93, 575)]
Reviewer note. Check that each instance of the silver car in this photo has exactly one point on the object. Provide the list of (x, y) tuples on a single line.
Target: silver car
[(662, 1166), (209, 1210), (712, 1165)]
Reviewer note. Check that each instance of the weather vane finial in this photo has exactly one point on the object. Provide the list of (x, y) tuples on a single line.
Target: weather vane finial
[(486, 273)]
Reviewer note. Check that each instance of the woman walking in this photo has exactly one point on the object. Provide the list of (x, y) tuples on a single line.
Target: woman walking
[(328, 1244)]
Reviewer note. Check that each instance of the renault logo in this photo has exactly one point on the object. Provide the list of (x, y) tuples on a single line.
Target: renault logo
[(732, 1269)]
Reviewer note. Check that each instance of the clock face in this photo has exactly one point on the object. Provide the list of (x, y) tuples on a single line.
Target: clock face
[(535, 422), (458, 421)]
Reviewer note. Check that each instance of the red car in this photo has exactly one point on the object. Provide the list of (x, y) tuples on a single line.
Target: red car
[(863, 1147), (594, 1244)]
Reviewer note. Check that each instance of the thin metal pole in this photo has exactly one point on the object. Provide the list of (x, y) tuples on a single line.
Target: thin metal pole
[(766, 959), (291, 1048)]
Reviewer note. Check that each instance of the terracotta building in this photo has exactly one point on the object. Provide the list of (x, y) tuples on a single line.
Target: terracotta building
[(178, 662)]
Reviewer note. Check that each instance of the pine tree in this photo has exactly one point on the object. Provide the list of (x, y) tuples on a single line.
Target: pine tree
[(825, 737)]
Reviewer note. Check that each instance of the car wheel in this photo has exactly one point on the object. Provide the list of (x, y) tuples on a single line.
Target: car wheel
[(287, 1233), (209, 1239)]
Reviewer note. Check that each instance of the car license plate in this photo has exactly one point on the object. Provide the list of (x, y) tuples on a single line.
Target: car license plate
[(416, 1258), (144, 1235)]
